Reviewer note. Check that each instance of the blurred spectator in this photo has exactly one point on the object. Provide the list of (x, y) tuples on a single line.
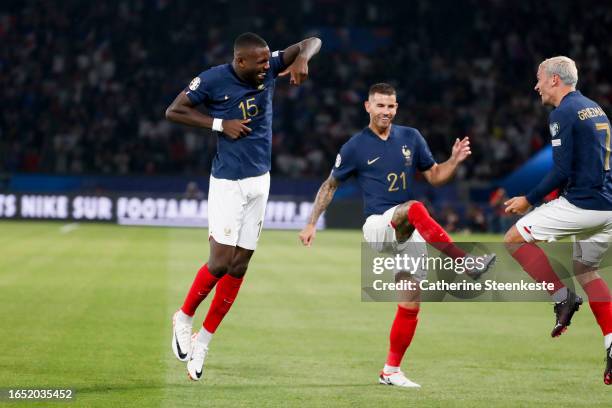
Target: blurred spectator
[(499, 221), (476, 220), (85, 84), (450, 219), (193, 191)]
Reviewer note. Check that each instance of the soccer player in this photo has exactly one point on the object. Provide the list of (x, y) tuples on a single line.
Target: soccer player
[(238, 98), (383, 157), (580, 132)]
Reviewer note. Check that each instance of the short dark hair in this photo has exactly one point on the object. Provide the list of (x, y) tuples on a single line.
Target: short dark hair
[(249, 40), (382, 88)]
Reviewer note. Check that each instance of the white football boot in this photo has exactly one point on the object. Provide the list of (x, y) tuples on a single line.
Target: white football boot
[(195, 365), (398, 379), (181, 338)]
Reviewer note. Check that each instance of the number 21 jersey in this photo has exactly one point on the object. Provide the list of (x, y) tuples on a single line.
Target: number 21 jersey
[(384, 168)]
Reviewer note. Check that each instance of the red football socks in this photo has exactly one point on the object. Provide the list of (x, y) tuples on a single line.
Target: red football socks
[(535, 262), (226, 293), (432, 232), (203, 283), (601, 303), (402, 332)]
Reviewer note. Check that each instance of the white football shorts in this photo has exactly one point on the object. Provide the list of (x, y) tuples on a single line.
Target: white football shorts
[(591, 230), (236, 210), (380, 235)]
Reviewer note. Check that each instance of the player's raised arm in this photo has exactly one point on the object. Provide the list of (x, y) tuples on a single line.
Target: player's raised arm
[(439, 174), (324, 197), (296, 58), (182, 110)]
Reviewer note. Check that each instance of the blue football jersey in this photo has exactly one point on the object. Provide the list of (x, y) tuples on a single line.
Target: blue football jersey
[(384, 168), (226, 96), (580, 138)]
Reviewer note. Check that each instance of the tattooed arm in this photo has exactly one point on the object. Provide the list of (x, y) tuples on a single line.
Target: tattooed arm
[(324, 197)]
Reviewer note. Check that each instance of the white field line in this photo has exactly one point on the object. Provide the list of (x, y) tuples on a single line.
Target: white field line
[(68, 228)]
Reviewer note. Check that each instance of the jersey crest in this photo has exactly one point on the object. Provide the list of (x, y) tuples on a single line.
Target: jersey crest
[(554, 129), (407, 155), (195, 83)]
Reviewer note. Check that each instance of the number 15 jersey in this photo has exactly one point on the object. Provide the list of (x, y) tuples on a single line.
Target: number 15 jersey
[(226, 96), (384, 168)]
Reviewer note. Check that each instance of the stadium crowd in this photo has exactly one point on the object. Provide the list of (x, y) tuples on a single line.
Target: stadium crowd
[(85, 84)]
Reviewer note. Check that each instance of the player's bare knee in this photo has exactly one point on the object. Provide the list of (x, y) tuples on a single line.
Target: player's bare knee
[(400, 215), (220, 262), (238, 271), (218, 269), (240, 262), (585, 273), (406, 206), (587, 277), (513, 240)]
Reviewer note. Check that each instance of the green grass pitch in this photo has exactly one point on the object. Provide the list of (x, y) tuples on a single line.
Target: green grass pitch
[(90, 309)]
